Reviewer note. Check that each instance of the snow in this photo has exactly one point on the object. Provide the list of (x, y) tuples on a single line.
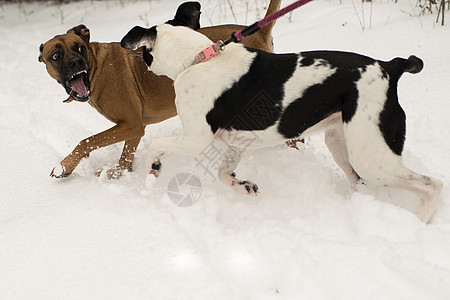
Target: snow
[(308, 235)]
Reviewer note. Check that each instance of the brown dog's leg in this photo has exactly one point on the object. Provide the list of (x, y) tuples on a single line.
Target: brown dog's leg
[(126, 159), (116, 134)]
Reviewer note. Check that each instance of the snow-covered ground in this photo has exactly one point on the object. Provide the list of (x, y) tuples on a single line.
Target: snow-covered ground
[(306, 236)]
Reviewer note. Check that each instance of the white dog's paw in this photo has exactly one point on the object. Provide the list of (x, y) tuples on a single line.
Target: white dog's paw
[(245, 186), (240, 186), (155, 168), (58, 172)]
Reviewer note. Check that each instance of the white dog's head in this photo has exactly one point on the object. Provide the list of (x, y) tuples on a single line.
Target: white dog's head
[(170, 48)]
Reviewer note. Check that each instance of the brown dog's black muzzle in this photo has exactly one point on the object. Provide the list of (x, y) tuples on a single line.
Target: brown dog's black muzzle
[(76, 78), (74, 65)]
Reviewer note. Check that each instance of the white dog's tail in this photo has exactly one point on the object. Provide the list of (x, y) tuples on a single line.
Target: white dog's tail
[(396, 67), (413, 65)]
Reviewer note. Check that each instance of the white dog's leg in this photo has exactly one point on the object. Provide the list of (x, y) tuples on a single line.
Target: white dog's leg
[(375, 162), (428, 189), (335, 141), (182, 144), (228, 177)]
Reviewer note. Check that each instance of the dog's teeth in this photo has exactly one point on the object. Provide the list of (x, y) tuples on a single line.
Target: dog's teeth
[(78, 73)]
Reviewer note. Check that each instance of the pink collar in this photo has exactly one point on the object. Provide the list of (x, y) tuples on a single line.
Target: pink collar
[(209, 52)]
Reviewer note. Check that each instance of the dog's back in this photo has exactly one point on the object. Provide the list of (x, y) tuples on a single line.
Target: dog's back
[(297, 91)]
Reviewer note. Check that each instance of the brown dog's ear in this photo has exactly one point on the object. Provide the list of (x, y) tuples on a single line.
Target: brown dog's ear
[(188, 14), (41, 47), (82, 31)]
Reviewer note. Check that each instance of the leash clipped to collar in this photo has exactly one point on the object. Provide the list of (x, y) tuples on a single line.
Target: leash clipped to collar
[(209, 52), (238, 36)]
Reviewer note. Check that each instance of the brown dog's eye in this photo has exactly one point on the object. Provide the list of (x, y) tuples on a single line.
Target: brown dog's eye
[(56, 56), (80, 49)]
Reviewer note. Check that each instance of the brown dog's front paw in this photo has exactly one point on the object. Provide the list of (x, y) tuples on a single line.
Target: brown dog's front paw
[(119, 170), (114, 173), (59, 172)]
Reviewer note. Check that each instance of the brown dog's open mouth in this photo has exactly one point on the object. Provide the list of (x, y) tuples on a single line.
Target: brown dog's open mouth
[(78, 86)]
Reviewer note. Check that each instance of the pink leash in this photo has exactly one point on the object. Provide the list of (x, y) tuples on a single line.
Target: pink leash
[(238, 36)]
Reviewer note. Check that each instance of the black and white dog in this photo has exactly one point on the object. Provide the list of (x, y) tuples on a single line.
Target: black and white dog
[(353, 98)]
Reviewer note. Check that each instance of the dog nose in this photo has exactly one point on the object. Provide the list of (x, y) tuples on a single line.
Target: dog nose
[(75, 62)]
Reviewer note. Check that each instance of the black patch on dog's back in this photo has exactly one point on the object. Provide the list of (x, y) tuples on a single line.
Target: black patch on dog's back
[(337, 59), (254, 101), (337, 93)]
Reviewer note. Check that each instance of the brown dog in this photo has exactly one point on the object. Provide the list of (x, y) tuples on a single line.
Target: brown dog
[(116, 82)]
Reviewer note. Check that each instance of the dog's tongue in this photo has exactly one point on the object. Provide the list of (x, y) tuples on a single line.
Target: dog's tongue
[(79, 87)]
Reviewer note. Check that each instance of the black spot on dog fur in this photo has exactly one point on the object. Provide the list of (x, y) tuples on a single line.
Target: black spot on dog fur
[(254, 101), (393, 121), (156, 166), (337, 93)]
